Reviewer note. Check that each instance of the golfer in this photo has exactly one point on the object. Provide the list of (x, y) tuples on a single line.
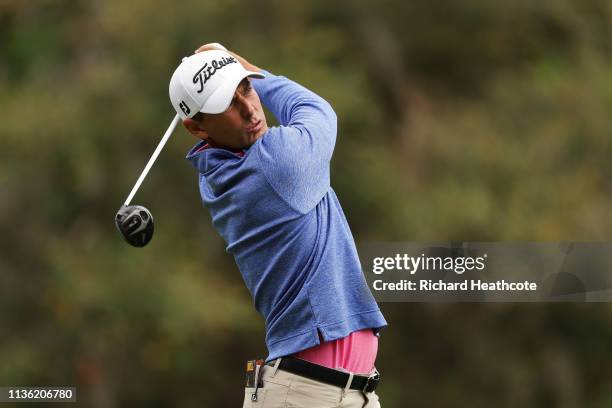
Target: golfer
[(268, 192)]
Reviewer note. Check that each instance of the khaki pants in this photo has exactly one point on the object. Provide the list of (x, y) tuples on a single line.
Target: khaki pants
[(286, 390)]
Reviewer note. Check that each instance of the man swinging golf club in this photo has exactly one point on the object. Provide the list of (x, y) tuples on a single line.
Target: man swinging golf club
[(268, 192)]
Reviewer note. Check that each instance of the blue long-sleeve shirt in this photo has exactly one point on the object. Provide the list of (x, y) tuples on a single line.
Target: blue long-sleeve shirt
[(282, 222)]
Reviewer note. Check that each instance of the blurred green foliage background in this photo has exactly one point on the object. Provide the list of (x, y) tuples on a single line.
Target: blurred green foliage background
[(458, 120)]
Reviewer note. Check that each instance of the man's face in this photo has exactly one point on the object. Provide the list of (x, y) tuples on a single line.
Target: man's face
[(238, 127)]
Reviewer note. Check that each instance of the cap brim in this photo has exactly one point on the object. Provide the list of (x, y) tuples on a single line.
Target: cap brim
[(220, 100)]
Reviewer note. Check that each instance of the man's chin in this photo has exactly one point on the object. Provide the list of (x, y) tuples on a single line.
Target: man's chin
[(254, 137)]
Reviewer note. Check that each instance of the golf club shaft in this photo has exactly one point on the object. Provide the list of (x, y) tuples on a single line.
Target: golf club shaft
[(160, 146)]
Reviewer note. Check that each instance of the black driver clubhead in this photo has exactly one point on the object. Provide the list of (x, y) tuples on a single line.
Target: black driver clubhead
[(135, 223)]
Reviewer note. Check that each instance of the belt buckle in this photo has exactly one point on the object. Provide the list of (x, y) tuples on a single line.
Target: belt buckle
[(372, 382)]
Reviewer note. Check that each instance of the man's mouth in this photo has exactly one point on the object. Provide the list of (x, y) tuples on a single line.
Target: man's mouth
[(255, 127)]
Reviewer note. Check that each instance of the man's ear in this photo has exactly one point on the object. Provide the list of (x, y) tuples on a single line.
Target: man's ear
[(195, 128)]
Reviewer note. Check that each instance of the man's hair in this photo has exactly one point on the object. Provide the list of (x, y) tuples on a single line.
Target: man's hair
[(198, 117)]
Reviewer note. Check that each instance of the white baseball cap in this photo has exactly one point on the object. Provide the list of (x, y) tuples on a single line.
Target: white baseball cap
[(206, 82)]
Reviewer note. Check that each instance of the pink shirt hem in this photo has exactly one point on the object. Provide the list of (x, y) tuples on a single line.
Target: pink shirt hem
[(355, 353)]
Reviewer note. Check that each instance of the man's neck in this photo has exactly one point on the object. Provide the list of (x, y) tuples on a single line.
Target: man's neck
[(210, 143)]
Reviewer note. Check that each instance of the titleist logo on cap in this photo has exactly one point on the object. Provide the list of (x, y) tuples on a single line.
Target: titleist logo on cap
[(208, 71)]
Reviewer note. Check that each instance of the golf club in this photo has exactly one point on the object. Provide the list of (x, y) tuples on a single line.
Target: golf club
[(135, 222)]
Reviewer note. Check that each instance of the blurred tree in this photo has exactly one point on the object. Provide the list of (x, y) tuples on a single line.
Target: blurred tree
[(464, 120)]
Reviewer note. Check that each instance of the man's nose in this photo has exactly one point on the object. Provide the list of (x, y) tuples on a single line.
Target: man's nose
[(246, 108)]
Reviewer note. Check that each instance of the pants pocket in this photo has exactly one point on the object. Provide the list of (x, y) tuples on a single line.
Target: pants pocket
[(271, 395), (308, 394), (250, 401)]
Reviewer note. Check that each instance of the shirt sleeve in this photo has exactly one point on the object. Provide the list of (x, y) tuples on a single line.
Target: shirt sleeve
[(295, 156)]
